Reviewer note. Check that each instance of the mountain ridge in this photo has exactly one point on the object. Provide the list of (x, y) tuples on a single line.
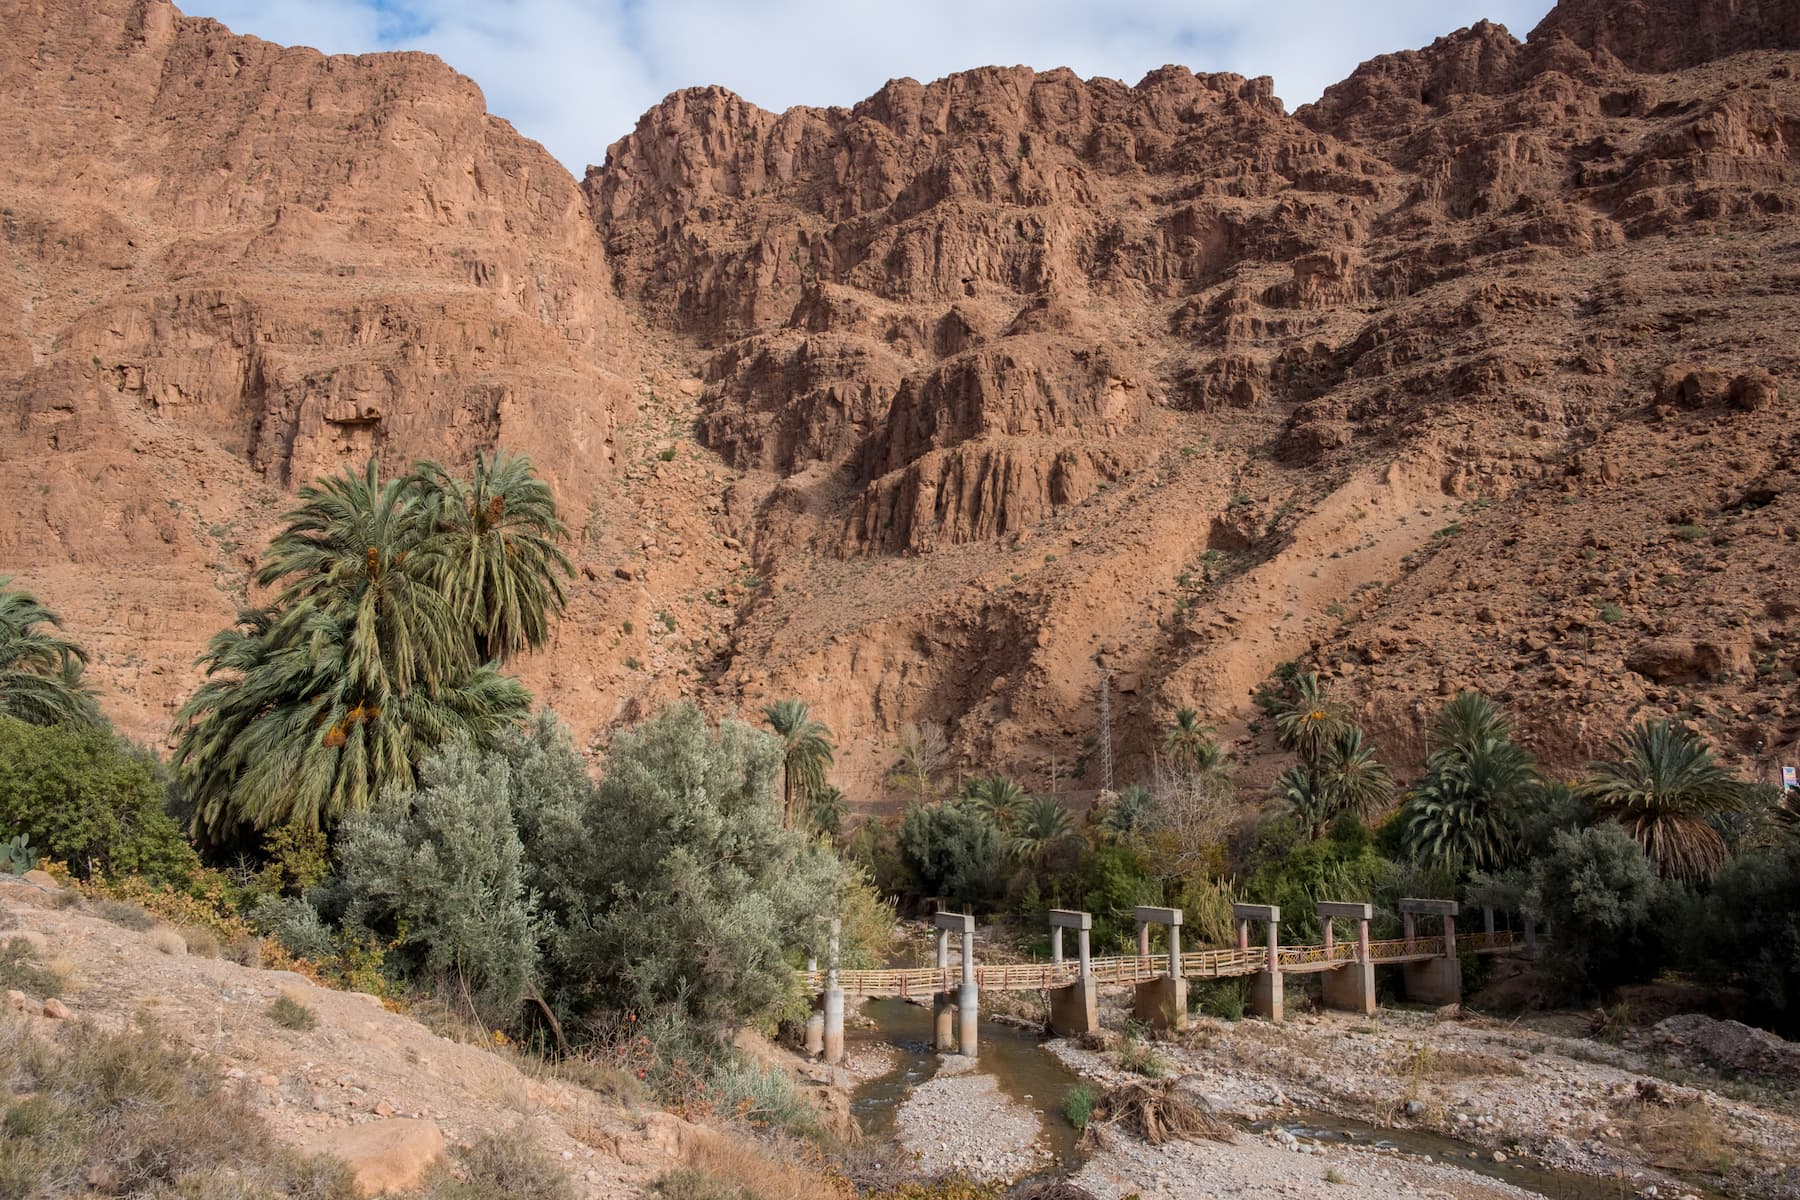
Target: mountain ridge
[(1001, 384)]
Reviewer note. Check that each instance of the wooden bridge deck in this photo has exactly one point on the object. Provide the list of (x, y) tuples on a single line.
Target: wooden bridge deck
[(1118, 970)]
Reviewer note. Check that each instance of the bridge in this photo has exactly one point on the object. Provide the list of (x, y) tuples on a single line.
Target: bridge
[(1432, 972)]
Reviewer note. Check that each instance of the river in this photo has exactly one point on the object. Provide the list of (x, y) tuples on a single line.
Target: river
[(1035, 1078)]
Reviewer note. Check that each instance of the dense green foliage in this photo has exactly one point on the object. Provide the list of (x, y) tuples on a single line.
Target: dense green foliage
[(40, 671), (1745, 932), (388, 595), (440, 873), (954, 850), (1609, 911), (674, 886), (86, 799)]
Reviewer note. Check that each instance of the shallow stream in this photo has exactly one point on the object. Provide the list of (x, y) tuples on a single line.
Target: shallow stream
[(1037, 1079)]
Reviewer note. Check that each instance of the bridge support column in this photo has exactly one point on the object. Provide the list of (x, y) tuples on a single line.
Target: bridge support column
[(832, 1041), (1161, 1003), (965, 1001), (832, 1036), (815, 1020), (1351, 987), (1075, 1007), (1266, 999), (1435, 980)]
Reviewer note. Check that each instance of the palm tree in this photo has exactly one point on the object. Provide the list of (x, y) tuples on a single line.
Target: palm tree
[(499, 558), (321, 703), (1305, 796), (999, 797), (359, 553), (40, 672), (826, 811), (1126, 815), (1353, 777), (1309, 722), (1666, 790), (805, 753), (1190, 744), (1041, 827), (1465, 813), (1467, 721)]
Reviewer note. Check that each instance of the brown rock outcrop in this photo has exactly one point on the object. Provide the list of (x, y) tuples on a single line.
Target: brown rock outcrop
[(1477, 372)]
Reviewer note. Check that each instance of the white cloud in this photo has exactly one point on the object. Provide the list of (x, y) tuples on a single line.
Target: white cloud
[(576, 74)]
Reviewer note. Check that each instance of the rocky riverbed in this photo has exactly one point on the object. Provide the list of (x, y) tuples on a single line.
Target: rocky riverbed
[(961, 1122)]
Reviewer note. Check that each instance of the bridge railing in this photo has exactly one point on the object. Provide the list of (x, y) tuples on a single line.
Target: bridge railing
[(1500, 939), (1419, 947), (1299, 956)]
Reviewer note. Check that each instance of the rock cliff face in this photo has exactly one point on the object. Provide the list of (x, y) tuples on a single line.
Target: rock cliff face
[(1480, 371), (232, 266)]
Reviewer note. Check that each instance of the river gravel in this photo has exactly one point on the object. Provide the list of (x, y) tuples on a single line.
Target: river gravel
[(960, 1121)]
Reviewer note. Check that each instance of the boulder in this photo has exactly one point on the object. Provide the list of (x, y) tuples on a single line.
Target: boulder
[(385, 1156), (42, 879), (56, 1010), (1677, 660), (1754, 391), (1688, 386)]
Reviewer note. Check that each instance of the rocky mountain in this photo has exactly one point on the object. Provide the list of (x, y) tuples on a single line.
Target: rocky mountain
[(943, 408)]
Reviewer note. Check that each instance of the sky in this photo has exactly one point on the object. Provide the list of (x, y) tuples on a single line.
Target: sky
[(576, 74)]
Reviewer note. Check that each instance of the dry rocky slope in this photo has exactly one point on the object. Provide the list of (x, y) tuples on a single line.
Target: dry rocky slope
[(1482, 370)]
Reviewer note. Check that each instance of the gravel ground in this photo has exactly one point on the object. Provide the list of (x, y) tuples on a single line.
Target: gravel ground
[(960, 1120), (1258, 1168)]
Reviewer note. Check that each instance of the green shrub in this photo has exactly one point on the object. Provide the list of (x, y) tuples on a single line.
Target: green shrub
[(1116, 881), (677, 864), (1746, 931), (1607, 908), (86, 799), (438, 875), (763, 1096), (954, 850), (1222, 998), (1141, 1058), (1079, 1104), (289, 1013), (296, 925)]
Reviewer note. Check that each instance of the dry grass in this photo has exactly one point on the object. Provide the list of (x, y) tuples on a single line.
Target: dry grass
[(201, 941), (722, 1167), (1430, 1064), (95, 1114), (169, 941), (1678, 1134), (20, 969), (1156, 1113), (290, 1013)]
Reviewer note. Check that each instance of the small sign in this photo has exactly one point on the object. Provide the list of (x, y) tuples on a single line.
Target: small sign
[(1789, 779)]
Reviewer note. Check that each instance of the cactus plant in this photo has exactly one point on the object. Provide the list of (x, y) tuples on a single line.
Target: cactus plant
[(16, 857)]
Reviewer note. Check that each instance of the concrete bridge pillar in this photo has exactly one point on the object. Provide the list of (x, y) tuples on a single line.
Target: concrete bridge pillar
[(1351, 987), (1075, 1007), (943, 1011), (1161, 1002), (832, 1041), (955, 1012), (1435, 980), (1265, 986), (815, 1021)]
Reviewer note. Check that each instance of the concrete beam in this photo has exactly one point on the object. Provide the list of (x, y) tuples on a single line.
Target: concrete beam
[(1431, 908), (1256, 912), (1157, 916), (1353, 912), (954, 922), (1063, 918)]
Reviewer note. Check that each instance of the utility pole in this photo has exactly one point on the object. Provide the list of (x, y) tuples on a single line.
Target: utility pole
[(1106, 778)]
